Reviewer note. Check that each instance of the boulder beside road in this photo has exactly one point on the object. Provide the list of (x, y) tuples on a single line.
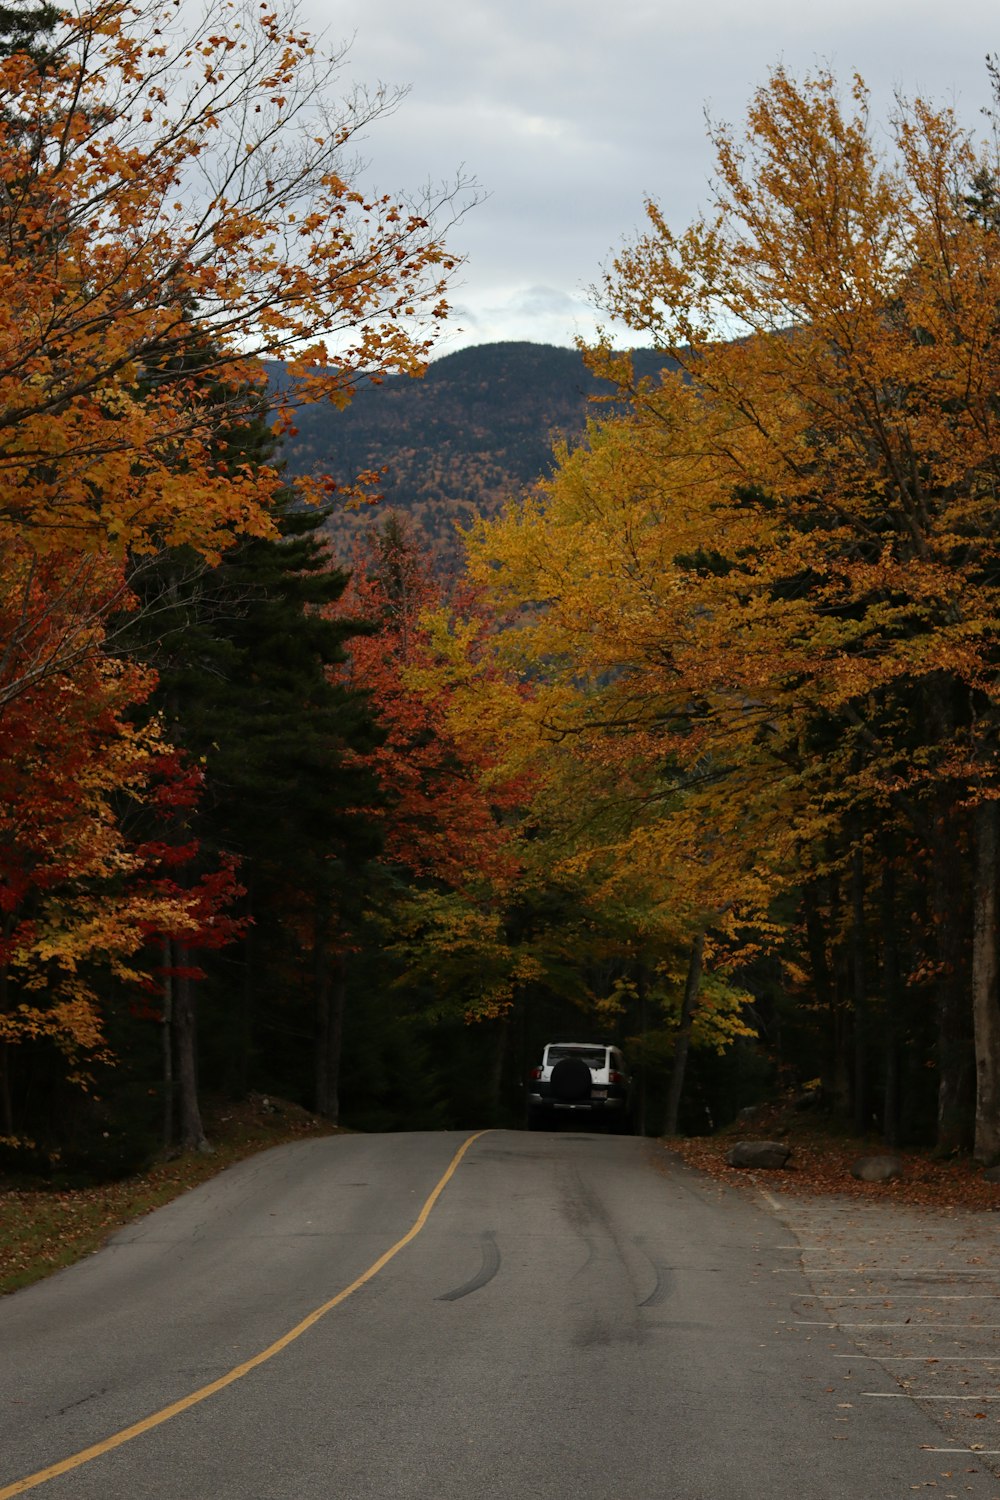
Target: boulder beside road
[(877, 1168), (758, 1154)]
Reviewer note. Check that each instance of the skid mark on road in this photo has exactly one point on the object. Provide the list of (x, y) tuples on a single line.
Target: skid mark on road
[(585, 1265), (81, 1401), (663, 1284), (486, 1272)]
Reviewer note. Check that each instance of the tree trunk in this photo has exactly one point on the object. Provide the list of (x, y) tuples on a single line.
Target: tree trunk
[(683, 1043), (168, 1045), (192, 1132), (6, 1098), (321, 989), (497, 1068), (985, 998), (859, 985), (640, 1118), (242, 1010), (330, 979), (828, 989), (955, 1054), (335, 1039), (6, 1102), (891, 1110)]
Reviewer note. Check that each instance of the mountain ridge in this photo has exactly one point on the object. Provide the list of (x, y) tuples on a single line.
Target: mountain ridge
[(476, 429)]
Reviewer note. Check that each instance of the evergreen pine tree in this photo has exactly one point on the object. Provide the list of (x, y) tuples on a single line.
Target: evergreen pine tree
[(28, 28), (243, 653)]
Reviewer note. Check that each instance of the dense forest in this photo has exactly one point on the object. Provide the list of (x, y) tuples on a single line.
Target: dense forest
[(691, 745)]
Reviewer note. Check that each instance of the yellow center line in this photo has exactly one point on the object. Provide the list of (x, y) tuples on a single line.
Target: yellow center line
[(176, 1407)]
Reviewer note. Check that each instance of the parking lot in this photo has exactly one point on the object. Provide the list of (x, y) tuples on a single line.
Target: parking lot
[(917, 1291)]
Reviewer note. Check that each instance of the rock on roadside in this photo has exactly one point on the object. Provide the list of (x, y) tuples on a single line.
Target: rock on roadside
[(877, 1168), (758, 1154)]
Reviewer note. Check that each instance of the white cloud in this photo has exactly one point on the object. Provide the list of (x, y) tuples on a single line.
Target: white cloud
[(571, 111), (534, 314)]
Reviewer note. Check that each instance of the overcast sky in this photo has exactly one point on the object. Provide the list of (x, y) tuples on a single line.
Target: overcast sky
[(570, 112)]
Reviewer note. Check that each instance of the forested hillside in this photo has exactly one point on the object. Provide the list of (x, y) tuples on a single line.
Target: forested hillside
[(475, 430)]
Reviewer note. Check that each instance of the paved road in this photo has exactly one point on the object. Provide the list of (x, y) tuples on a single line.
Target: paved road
[(577, 1316)]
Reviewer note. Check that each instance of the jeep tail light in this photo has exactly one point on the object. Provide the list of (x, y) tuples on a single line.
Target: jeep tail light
[(614, 1077), (536, 1073)]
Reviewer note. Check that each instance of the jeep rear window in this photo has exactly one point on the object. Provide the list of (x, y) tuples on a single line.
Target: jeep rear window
[(594, 1057)]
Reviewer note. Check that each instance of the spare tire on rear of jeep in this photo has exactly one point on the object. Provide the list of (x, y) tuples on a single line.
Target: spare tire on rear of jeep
[(570, 1081)]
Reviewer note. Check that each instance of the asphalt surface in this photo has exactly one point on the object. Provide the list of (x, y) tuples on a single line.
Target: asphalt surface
[(578, 1316), (917, 1292)]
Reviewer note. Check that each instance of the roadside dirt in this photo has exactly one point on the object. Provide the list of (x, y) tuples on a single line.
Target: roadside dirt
[(821, 1159)]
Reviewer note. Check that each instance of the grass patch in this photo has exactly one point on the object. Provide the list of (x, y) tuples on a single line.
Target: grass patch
[(42, 1230)]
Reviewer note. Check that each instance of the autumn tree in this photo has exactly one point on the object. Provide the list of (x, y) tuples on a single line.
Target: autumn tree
[(80, 898), (177, 205), (163, 172), (444, 820), (775, 577), (449, 810)]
